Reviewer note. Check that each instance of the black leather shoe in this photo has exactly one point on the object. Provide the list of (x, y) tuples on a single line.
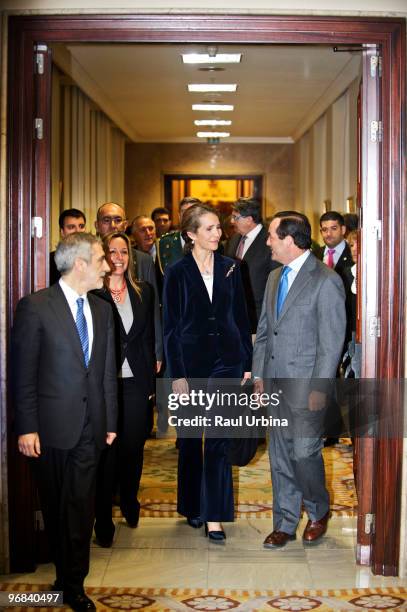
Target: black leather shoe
[(78, 601), (196, 522), (104, 542), (218, 537)]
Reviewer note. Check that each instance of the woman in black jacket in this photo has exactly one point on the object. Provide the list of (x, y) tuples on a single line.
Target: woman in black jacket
[(132, 302), (206, 335)]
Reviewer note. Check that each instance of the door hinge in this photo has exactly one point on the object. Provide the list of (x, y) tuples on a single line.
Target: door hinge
[(39, 128), (376, 229), (39, 58), (36, 227), (38, 521), (376, 66), (369, 523), (376, 131), (374, 327)]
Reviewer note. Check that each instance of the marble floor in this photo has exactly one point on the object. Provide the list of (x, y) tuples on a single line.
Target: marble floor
[(167, 553)]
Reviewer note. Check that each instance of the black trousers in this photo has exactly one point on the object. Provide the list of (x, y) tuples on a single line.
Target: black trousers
[(67, 484), (205, 485), (122, 463)]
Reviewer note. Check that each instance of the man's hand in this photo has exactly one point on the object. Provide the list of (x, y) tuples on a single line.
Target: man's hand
[(29, 444), (258, 386), (246, 376), (110, 436), (316, 400), (180, 386), (158, 365)]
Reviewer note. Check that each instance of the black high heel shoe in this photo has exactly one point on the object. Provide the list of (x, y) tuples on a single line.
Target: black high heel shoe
[(216, 536)]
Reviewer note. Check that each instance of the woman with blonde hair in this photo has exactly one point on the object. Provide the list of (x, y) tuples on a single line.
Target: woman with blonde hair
[(132, 302), (206, 336)]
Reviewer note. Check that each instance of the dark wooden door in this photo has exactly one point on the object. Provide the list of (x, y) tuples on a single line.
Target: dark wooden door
[(383, 195)]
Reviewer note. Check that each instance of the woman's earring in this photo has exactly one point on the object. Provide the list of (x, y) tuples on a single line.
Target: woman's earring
[(192, 241)]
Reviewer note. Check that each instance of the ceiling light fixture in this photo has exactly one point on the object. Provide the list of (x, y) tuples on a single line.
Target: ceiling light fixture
[(212, 122), (211, 87), (212, 107), (205, 58), (213, 134)]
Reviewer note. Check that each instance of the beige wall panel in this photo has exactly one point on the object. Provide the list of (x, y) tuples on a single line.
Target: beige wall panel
[(147, 163)]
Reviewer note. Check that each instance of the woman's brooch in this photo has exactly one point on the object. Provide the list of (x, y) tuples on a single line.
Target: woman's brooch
[(229, 272)]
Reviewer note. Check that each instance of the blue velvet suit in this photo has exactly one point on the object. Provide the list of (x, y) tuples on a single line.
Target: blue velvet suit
[(205, 339)]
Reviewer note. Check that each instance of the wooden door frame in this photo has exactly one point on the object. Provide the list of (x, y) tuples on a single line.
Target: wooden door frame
[(256, 178), (389, 34)]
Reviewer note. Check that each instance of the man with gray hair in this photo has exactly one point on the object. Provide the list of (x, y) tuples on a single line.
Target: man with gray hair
[(65, 401)]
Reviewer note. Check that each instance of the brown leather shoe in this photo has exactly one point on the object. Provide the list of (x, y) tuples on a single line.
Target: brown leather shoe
[(315, 529), (278, 539)]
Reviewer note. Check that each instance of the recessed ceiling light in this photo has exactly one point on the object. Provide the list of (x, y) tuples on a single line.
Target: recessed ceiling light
[(213, 134), (205, 58), (212, 122), (212, 107), (211, 69), (207, 87)]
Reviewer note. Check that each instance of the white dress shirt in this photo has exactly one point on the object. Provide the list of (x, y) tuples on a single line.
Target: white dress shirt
[(71, 297), (338, 252), (295, 266), (250, 237), (153, 252)]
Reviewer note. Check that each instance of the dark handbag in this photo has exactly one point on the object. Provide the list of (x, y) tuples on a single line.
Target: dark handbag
[(242, 450)]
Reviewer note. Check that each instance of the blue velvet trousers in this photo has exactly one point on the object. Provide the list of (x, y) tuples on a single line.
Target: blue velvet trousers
[(205, 485)]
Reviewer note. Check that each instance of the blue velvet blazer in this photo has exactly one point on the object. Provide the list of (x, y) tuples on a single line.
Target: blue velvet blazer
[(198, 331)]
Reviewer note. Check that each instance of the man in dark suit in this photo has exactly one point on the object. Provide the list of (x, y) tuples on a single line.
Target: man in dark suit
[(112, 217), (70, 221), (249, 245), (299, 337), (336, 254), (143, 232), (65, 400)]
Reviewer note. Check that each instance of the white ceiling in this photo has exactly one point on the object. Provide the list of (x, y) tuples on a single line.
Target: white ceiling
[(282, 89)]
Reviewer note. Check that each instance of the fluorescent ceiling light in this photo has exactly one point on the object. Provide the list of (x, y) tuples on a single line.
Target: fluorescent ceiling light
[(212, 122), (205, 58), (202, 87), (213, 134), (212, 107)]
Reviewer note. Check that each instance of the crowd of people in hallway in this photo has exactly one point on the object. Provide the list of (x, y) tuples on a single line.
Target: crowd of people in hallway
[(141, 300)]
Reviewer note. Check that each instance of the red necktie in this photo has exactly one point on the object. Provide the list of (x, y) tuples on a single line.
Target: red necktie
[(330, 258), (240, 248)]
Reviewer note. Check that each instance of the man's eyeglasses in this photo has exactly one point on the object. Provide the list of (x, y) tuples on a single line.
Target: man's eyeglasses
[(112, 220), (236, 217)]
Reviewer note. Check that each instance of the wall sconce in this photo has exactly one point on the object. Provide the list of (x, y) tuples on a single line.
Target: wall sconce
[(350, 205)]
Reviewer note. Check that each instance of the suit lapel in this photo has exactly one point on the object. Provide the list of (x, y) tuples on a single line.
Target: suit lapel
[(63, 313), (345, 259), (251, 251), (97, 326), (195, 278), (301, 280)]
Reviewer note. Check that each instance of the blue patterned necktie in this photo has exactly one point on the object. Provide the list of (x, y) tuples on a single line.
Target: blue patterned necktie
[(282, 289), (82, 330)]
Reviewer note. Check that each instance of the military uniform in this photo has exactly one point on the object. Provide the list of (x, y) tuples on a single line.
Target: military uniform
[(169, 249)]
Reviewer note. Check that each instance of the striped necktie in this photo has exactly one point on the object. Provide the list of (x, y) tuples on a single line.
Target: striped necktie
[(82, 328)]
